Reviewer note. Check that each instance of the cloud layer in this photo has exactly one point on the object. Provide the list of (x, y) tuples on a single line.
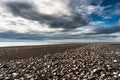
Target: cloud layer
[(54, 17), (59, 19)]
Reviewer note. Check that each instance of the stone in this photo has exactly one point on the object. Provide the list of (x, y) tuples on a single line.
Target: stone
[(92, 78), (1, 77), (4, 66), (16, 79), (32, 79), (7, 78), (119, 75), (14, 74), (115, 73), (103, 75), (28, 76), (115, 61)]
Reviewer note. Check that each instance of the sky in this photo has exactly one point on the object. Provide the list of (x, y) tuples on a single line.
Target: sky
[(60, 20)]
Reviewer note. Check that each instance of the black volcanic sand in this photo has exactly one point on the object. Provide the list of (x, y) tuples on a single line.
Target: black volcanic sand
[(61, 62)]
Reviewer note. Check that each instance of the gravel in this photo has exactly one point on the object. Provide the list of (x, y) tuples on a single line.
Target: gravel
[(90, 62)]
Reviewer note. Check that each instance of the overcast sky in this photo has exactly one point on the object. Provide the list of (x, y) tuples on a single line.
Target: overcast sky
[(60, 20)]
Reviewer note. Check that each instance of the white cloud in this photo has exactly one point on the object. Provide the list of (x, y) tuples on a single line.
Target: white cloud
[(54, 7), (81, 30), (89, 9), (85, 8), (21, 25), (96, 23), (9, 22)]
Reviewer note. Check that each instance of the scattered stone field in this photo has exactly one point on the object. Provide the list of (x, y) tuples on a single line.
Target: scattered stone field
[(61, 62)]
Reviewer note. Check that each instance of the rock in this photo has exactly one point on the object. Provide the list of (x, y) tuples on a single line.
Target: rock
[(90, 62), (115, 76), (92, 78), (7, 78), (94, 70), (18, 62), (97, 71), (103, 75), (32, 79), (115, 61), (4, 66), (22, 78), (1, 77), (28, 76), (119, 75), (14, 74), (48, 66), (115, 73), (16, 79)]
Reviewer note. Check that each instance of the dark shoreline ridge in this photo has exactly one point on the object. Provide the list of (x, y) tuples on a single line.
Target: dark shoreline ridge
[(61, 62)]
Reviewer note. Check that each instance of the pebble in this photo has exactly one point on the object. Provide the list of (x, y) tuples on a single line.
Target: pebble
[(16, 79), (91, 62), (4, 66), (1, 77), (103, 75), (28, 76), (118, 75), (115, 73), (14, 74), (7, 78), (115, 61), (94, 70)]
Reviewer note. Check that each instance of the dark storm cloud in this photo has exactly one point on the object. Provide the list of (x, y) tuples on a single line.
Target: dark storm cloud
[(14, 35), (110, 30), (18, 36), (91, 36), (28, 11)]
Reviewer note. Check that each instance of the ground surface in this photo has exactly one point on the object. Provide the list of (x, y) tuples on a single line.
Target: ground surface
[(11, 53), (61, 62)]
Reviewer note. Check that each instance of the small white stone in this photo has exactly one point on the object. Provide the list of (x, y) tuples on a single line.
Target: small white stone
[(16, 79), (28, 76), (43, 75), (14, 74), (115, 73), (119, 75), (115, 76), (21, 78), (48, 66), (108, 65), (18, 62), (1, 75), (94, 70), (32, 79), (115, 61)]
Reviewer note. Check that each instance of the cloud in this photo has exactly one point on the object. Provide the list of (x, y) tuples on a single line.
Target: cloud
[(88, 7), (56, 20), (117, 12), (117, 9), (34, 37), (29, 11), (104, 30), (14, 35), (20, 25)]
